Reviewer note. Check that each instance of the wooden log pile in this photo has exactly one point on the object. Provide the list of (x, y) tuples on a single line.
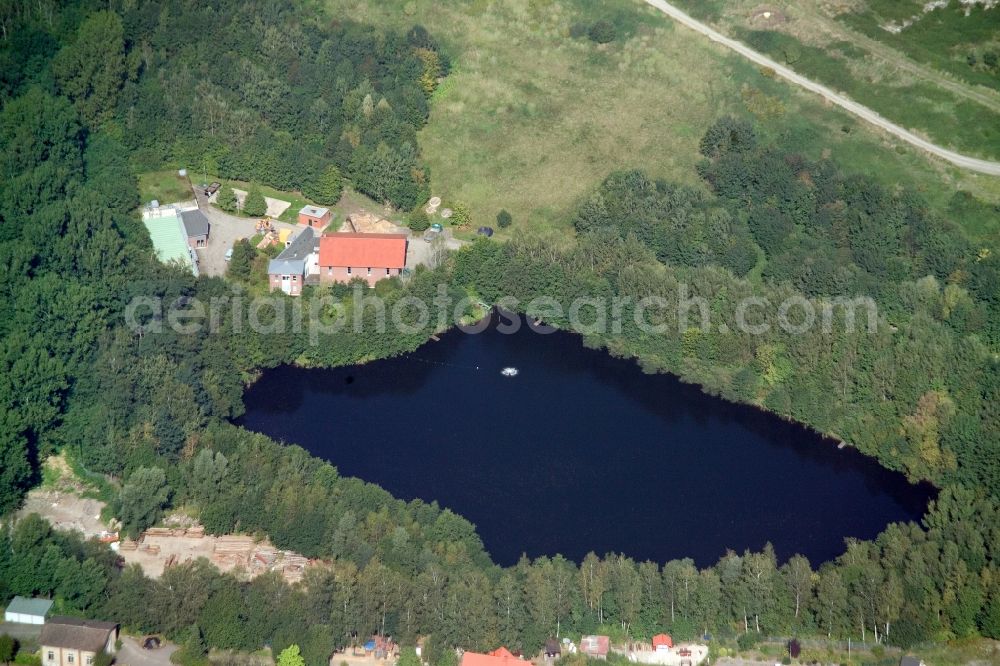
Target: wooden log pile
[(233, 550)]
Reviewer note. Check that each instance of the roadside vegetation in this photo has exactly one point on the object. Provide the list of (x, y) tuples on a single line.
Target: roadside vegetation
[(803, 36), (963, 41), (150, 409)]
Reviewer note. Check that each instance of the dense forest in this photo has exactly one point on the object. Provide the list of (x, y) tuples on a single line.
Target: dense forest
[(149, 409), (254, 91)]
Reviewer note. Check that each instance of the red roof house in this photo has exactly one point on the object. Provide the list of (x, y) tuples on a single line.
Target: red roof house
[(499, 657), (372, 257), (662, 642)]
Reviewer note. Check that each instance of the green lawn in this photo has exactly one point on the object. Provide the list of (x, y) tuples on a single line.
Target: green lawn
[(164, 186), (531, 119)]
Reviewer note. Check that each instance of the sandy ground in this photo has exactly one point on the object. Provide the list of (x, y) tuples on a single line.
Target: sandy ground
[(65, 511), (339, 658), (671, 657)]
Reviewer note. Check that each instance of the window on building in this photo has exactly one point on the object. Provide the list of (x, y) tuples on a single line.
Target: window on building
[(295, 278), (69, 659), (348, 270), (387, 271), (90, 660), (369, 270), (329, 270), (52, 656)]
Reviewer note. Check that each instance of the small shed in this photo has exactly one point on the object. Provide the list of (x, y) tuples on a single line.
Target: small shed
[(22, 610), (662, 642), (315, 216), (552, 649)]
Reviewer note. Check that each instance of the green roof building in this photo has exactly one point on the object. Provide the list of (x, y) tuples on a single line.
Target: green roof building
[(27, 611), (166, 230)]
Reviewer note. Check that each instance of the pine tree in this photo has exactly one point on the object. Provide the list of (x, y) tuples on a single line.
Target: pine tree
[(227, 200), (326, 188), (254, 205)]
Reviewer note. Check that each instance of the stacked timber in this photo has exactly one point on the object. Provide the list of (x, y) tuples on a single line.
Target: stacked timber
[(293, 566), (233, 550), (128, 544), (196, 532), (159, 532)]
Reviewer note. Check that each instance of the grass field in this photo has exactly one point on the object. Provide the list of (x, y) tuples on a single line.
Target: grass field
[(164, 186), (531, 119)]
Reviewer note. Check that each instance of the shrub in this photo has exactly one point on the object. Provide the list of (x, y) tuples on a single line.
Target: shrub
[(504, 219), (602, 32), (460, 215), (578, 30), (746, 641), (418, 219)]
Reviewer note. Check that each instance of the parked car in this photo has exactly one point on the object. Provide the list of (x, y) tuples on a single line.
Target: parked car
[(229, 254), (485, 231)]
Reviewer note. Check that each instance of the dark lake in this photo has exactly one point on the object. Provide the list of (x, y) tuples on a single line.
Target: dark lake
[(581, 452)]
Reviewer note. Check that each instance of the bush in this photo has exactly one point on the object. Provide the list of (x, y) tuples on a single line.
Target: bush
[(578, 30), (602, 32), (418, 219), (746, 641), (460, 215), (504, 219)]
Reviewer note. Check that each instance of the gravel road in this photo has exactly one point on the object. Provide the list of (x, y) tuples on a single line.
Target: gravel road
[(859, 110)]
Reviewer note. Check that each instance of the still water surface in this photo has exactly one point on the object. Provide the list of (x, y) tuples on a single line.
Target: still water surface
[(581, 452)]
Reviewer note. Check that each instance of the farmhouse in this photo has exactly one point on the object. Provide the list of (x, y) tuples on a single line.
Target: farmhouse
[(297, 262), (196, 227), (315, 216), (27, 611), (371, 257), (70, 641)]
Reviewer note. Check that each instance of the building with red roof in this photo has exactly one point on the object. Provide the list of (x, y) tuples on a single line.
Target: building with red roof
[(499, 657), (662, 642), (371, 257)]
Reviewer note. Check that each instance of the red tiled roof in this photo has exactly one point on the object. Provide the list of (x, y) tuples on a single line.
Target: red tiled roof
[(499, 657), (663, 639), (363, 250)]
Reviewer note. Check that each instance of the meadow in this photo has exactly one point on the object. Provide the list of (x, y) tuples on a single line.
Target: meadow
[(943, 38), (531, 118)]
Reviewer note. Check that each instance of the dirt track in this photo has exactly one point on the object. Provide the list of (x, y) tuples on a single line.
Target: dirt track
[(859, 110)]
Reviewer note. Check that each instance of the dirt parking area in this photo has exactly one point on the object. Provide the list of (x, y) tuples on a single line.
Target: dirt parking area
[(225, 230), (132, 654), (421, 253)]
